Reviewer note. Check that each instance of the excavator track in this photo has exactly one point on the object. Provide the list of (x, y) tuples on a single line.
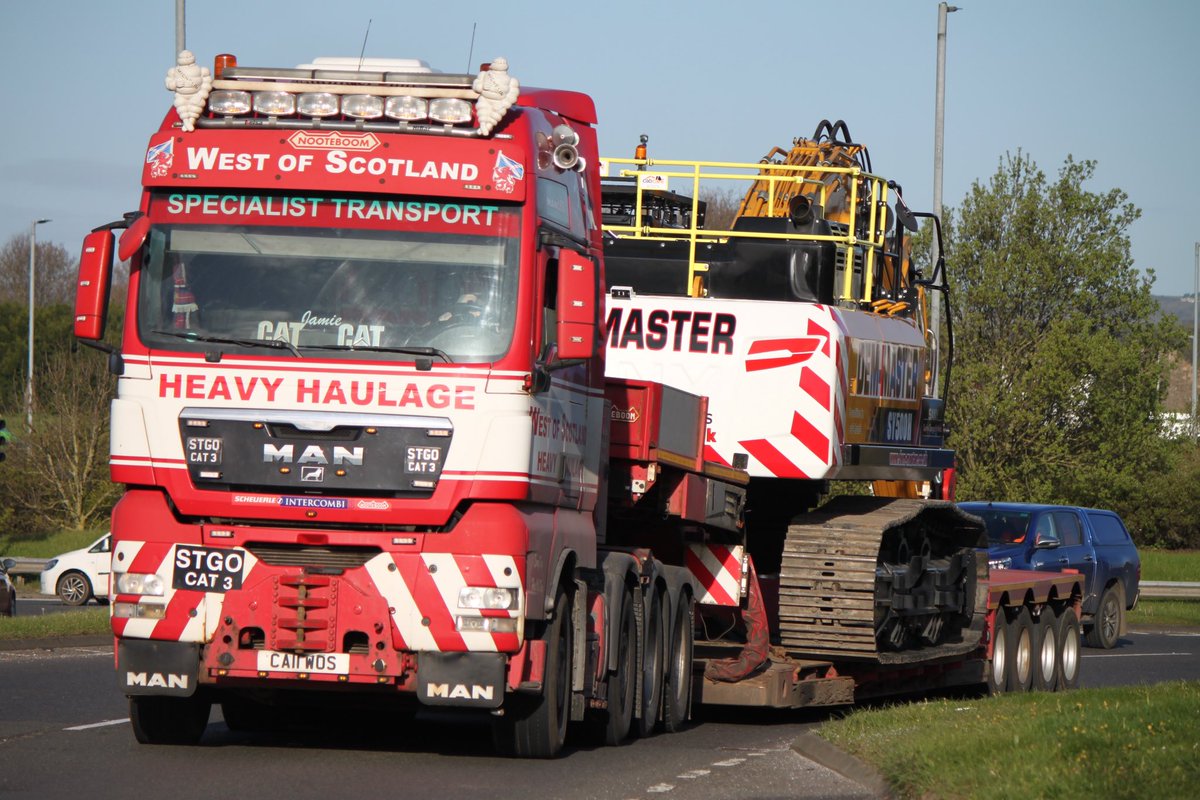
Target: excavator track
[(882, 579)]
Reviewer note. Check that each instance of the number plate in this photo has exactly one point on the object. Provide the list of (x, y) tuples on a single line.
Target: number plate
[(208, 569), (422, 460), (313, 663), (203, 450)]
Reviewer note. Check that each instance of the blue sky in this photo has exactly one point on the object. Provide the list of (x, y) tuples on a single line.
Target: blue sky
[(1117, 82)]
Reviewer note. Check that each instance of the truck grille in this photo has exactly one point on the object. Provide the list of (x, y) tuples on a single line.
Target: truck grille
[(295, 555)]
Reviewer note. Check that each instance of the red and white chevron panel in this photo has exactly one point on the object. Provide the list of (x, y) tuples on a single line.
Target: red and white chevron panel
[(718, 570)]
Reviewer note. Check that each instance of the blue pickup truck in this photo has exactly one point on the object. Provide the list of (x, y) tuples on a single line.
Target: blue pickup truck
[(1053, 538)]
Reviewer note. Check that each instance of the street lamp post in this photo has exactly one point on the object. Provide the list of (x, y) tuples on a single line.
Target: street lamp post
[(939, 114), (29, 376), (1195, 335)]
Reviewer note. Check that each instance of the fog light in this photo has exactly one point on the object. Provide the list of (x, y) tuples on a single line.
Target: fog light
[(138, 611), (275, 104), (229, 102), (362, 106), (486, 624), (317, 104), (409, 109), (450, 110)]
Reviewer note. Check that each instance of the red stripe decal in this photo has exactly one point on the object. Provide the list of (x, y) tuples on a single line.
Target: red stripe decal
[(770, 457), (815, 386), (707, 579), (810, 437)]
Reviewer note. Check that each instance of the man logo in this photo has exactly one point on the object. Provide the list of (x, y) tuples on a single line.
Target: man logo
[(460, 691), (312, 454), (156, 680)]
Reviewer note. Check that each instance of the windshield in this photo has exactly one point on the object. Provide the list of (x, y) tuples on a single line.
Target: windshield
[(239, 287), (1003, 527)]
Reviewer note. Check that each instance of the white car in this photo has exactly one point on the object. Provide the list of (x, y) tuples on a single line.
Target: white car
[(80, 575)]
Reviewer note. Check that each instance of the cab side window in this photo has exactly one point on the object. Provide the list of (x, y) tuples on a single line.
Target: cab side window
[(1069, 531)]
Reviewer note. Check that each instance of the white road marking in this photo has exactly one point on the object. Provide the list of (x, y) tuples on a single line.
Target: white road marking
[(1135, 655), (104, 724), (729, 762), (694, 773), (660, 788)]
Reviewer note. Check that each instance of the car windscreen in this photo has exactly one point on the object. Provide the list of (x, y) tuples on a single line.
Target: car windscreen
[(205, 287), (1003, 527)]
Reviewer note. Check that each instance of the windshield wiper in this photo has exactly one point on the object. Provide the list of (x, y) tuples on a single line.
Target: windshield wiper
[(413, 351), (190, 336)]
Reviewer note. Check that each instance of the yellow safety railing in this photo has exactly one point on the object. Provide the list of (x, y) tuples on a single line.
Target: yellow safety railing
[(783, 182)]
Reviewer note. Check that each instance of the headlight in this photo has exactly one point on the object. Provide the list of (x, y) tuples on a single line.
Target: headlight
[(317, 104), (275, 104), (227, 101), (496, 598), (409, 109), (50, 564), (450, 110), (999, 563), (362, 106), (137, 583), (487, 624)]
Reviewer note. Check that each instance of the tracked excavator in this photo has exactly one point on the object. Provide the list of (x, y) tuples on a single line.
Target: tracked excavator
[(805, 322)]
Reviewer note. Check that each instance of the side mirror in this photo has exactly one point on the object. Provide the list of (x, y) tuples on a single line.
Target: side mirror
[(576, 327), (1045, 541), (91, 293), (134, 237), (8, 564)]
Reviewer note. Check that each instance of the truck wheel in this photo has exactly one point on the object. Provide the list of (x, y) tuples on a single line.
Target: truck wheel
[(169, 720), (654, 656), (1020, 650), (1045, 652), (998, 674), (678, 691), (74, 589), (1106, 627), (622, 684), (536, 727), (1069, 635)]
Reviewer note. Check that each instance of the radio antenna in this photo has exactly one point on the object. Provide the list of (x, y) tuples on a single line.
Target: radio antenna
[(471, 51), (362, 52)]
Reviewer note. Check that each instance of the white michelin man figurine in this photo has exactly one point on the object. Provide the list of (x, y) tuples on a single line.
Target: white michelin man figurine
[(191, 85), (497, 91)]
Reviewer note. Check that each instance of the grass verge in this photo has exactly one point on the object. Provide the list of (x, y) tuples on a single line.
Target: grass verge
[(48, 546), (1170, 565), (1166, 613), (1141, 741), (42, 626)]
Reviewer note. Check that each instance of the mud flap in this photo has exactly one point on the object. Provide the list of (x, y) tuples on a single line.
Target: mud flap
[(164, 668), (471, 680)]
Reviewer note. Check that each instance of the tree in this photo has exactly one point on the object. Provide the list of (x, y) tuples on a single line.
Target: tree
[(55, 278), (57, 475), (1060, 359)]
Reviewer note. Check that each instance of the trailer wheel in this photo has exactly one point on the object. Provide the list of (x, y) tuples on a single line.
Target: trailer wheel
[(536, 727), (1045, 652), (1020, 650), (169, 720), (1069, 636), (998, 674), (654, 656), (678, 691), (1106, 627), (622, 684)]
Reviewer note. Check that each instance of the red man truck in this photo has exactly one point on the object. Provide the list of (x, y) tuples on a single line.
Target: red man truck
[(371, 452)]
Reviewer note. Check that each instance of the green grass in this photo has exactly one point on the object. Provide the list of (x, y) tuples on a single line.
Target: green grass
[(1170, 565), (1141, 741), (49, 545), (68, 623), (1166, 613)]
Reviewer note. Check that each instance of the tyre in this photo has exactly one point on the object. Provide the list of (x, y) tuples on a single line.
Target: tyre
[(169, 720), (1106, 627), (612, 726), (1045, 652), (536, 727), (1070, 635), (998, 672), (1020, 656), (244, 714), (654, 656), (74, 588), (677, 693)]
